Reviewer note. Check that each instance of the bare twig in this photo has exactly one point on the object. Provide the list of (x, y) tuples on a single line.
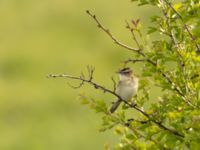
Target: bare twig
[(90, 70), (107, 31), (133, 34), (114, 84)]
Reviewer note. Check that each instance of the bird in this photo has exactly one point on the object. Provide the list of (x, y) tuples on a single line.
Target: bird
[(126, 88)]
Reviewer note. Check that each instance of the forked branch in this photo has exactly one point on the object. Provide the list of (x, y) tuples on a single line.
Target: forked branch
[(107, 31)]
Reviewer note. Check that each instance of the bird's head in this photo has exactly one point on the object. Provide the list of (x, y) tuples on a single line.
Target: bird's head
[(125, 73)]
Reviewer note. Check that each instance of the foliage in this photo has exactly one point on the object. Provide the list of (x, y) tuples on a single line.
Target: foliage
[(172, 62)]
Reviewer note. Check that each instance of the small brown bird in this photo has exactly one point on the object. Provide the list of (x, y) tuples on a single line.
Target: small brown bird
[(127, 87)]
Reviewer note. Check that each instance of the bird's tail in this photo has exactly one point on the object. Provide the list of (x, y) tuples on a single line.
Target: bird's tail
[(115, 106)]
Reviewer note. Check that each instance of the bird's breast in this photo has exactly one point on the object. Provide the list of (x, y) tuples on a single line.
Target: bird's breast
[(126, 92)]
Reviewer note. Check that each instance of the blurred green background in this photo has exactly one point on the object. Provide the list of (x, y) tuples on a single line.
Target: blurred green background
[(38, 37)]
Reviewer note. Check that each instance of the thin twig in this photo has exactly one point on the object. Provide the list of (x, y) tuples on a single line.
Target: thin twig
[(133, 60), (114, 84), (133, 35), (107, 31)]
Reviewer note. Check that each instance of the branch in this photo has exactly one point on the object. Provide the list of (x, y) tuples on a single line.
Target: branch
[(107, 31), (133, 34), (133, 61), (105, 90)]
